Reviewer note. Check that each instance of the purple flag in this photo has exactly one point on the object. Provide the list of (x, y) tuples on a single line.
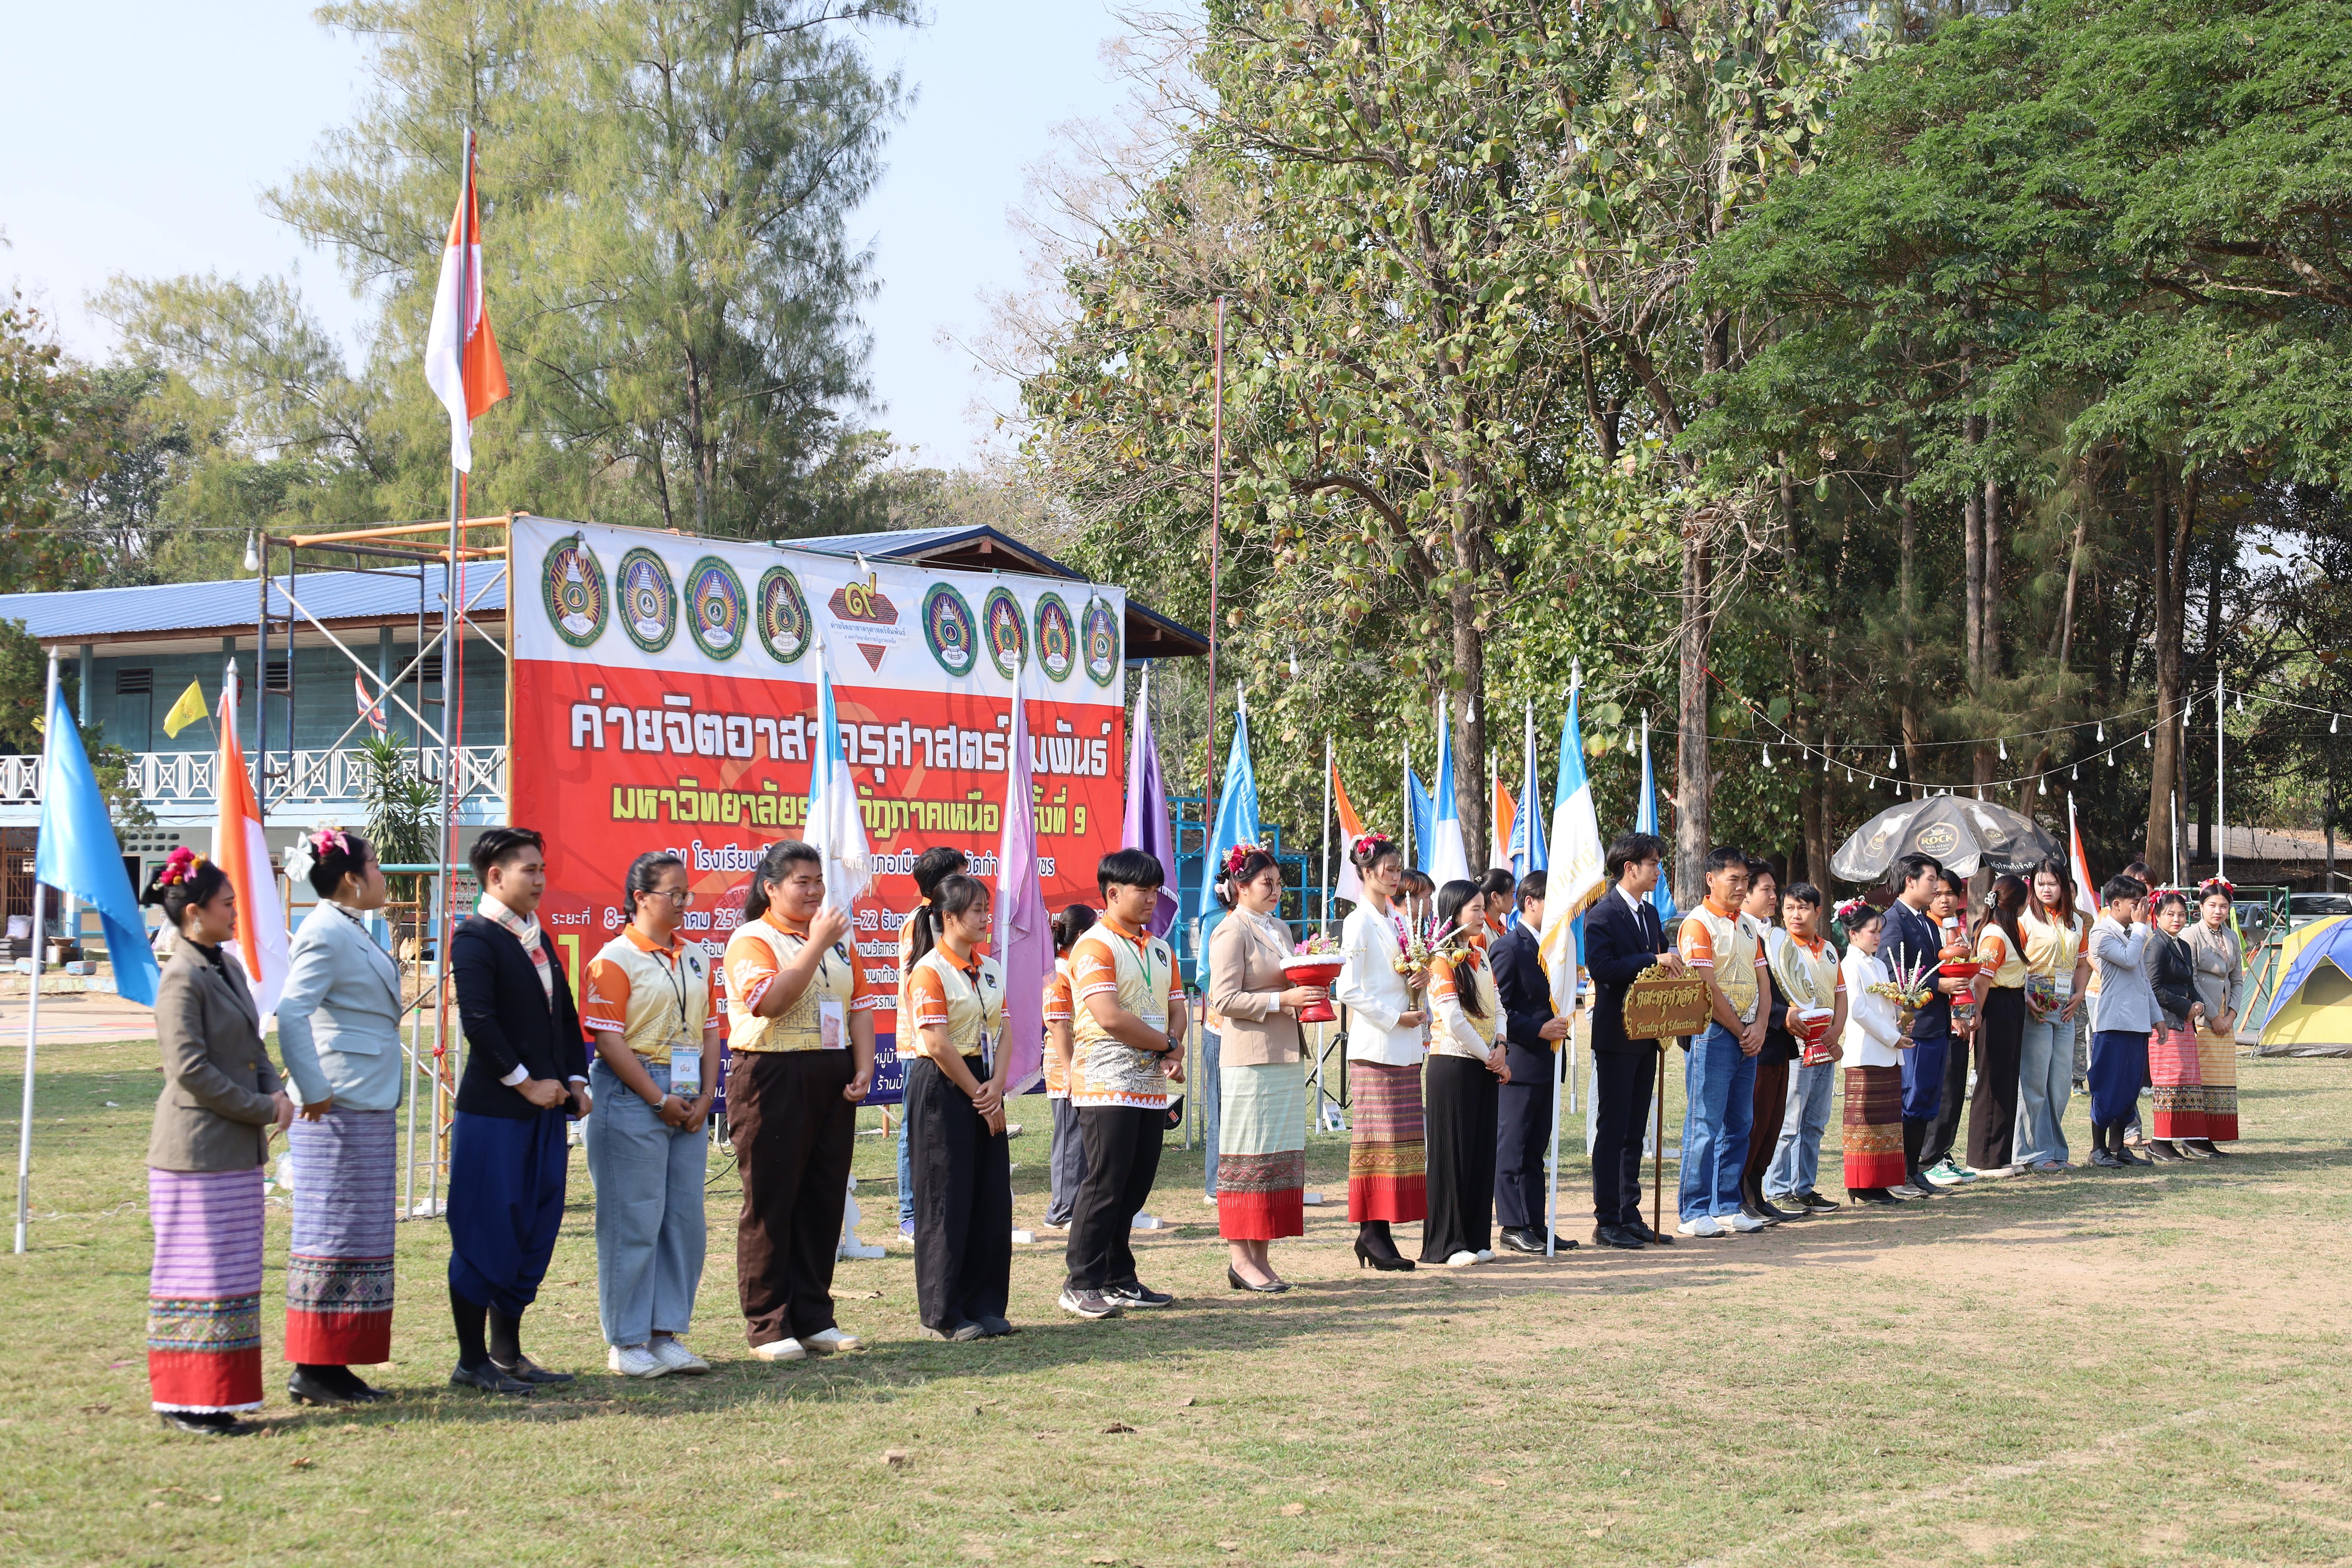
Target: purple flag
[(1023, 938), (1148, 827)]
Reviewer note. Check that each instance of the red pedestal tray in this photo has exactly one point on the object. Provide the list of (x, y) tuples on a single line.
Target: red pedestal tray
[(1315, 968)]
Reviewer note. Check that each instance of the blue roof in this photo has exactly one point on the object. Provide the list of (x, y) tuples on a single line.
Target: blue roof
[(233, 607)]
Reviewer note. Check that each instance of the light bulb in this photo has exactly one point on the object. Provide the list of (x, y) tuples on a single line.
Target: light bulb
[(1891, 763), (2242, 702), (1767, 753), (2111, 756), (1871, 780), (2102, 735), (2045, 784), (2145, 743), (1825, 762), (2333, 721), (2075, 772), (1849, 776), (1630, 742), (2004, 750), (1294, 664), (252, 560)]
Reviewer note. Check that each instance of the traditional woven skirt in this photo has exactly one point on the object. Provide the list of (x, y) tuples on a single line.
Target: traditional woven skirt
[(1387, 1169), (2173, 1070), (338, 1277), (2217, 1064), (1873, 1132), (203, 1298), (1262, 1152)]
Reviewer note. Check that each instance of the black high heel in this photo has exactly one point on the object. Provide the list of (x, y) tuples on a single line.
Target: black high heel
[(1233, 1278), (1393, 1263)]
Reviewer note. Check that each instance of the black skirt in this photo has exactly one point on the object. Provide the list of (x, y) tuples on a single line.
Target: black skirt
[(1459, 1118)]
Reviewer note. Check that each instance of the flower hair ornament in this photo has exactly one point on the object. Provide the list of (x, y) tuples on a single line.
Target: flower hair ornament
[(1368, 841), (178, 867), (1853, 909), (2212, 885), (309, 847), (1235, 858)]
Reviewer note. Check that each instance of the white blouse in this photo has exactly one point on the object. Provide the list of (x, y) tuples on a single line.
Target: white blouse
[(1874, 1027), (1374, 992)]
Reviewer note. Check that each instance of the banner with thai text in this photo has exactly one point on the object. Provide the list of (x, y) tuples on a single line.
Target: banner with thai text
[(664, 697)]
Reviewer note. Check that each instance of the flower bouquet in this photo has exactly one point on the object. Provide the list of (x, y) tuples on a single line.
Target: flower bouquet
[(1317, 962), (1912, 988)]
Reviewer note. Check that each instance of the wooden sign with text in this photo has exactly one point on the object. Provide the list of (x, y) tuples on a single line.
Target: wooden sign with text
[(1662, 1006)]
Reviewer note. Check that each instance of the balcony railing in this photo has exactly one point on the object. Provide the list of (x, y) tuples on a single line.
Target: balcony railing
[(305, 779)]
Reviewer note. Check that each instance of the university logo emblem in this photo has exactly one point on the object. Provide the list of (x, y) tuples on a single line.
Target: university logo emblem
[(1057, 638), (865, 604), (648, 600), (571, 586), (785, 628), (1102, 642), (947, 628), (722, 611), (1007, 630)]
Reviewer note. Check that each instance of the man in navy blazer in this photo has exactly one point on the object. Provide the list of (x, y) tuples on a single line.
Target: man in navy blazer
[(526, 1076), (1531, 1034), (1624, 935)]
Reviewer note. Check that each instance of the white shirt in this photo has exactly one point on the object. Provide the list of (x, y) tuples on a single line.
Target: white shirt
[(1874, 1027), (1374, 992)]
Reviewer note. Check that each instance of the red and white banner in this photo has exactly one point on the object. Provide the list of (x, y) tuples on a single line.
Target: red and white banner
[(665, 698)]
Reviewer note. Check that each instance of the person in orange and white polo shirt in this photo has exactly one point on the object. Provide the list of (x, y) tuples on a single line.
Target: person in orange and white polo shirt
[(1067, 1163), (932, 867), (800, 1018), (652, 1008), (1720, 943)]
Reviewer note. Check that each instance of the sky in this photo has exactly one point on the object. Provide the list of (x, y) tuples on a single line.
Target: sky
[(140, 136)]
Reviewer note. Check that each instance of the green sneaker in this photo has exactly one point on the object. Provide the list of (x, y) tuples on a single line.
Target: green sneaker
[(1950, 1172)]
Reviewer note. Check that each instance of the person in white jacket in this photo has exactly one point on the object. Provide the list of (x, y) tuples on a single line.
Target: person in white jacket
[(1387, 1167), (1874, 1043)]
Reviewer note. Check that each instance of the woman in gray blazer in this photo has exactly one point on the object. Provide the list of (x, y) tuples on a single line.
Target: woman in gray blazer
[(220, 1102), (339, 1026)]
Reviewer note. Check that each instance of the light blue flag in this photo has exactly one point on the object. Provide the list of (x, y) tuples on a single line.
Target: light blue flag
[(1526, 833), (1574, 879), (1646, 820), (1236, 815), (1424, 819), (77, 854), (1448, 857)]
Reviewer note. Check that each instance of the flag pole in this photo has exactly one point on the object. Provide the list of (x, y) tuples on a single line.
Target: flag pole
[(1327, 832), (1216, 543), (2221, 822), (443, 926), (1404, 792), (33, 1002)]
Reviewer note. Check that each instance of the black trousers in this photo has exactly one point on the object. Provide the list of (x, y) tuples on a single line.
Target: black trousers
[(1764, 1134), (792, 1134), (964, 1203), (2000, 1050), (1619, 1116), (1458, 1116), (1122, 1146), (1522, 1136), (1944, 1127)]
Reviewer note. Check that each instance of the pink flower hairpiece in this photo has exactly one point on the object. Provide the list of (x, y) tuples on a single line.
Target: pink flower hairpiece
[(1369, 841), (178, 867), (1235, 857)]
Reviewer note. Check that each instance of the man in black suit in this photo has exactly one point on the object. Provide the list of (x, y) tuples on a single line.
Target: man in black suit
[(1531, 1034), (1622, 937), (526, 1076)]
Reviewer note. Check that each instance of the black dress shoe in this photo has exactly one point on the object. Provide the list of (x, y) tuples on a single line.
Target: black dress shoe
[(208, 1423), (305, 1387), (531, 1371), (994, 1327), (1525, 1239), (1617, 1236), (1235, 1281), (1641, 1227), (487, 1378)]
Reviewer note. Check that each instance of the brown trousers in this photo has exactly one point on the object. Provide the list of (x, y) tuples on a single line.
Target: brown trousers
[(1764, 1134), (792, 1134)]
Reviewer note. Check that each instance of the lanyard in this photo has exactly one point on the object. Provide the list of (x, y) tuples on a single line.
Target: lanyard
[(674, 973), (1143, 959)]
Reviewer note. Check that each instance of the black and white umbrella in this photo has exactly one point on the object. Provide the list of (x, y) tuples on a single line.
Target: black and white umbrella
[(1962, 834)]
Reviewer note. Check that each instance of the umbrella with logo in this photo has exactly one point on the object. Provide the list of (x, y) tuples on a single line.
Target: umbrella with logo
[(1962, 834)]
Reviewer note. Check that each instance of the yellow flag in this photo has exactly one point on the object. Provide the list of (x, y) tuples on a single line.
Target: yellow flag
[(186, 710)]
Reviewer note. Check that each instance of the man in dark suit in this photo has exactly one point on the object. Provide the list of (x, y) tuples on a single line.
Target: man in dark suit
[(1622, 937), (1530, 1036), (526, 1076)]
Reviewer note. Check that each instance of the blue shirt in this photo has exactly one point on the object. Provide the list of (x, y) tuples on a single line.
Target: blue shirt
[(1913, 938)]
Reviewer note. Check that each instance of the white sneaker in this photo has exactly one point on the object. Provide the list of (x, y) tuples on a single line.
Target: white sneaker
[(1746, 1224), (1486, 1255), (673, 1355), (830, 1340), (635, 1361), (853, 1250), (1704, 1225), (780, 1350), (1461, 1259)]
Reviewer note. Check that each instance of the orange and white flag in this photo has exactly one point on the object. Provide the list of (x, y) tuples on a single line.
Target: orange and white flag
[(1350, 886), (461, 353), (1502, 822), (240, 850)]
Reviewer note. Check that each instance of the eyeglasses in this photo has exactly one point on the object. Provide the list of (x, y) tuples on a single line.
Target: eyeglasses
[(682, 898)]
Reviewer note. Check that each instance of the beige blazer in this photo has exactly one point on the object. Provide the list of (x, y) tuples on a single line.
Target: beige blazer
[(1246, 984), (215, 1110)]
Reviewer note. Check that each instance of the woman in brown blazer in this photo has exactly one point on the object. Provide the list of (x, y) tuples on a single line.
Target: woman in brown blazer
[(222, 1099), (1262, 1131)]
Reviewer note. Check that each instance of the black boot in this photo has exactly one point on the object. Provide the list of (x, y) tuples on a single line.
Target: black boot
[(1375, 1246)]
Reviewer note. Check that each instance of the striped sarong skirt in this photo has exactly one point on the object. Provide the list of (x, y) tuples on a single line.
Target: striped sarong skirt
[(1388, 1170), (2174, 1071), (338, 1276), (1262, 1152), (1873, 1129), (204, 1297), (2216, 1065)]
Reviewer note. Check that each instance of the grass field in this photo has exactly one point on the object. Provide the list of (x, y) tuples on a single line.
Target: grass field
[(2088, 1369)]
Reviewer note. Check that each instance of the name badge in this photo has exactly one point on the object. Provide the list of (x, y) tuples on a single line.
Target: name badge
[(987, 1054), (685, 1069), (829, 1032)]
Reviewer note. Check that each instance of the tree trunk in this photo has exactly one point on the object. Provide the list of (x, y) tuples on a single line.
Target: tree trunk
[(1468, 697), (1693, 786), (2062, 638), (2224, 547), (2168, 530), (1989, 656), (1909, 714)]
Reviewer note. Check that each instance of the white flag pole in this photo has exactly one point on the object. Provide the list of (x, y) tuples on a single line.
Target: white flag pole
[(1551, 1205), (40, 951), (1327, 835)]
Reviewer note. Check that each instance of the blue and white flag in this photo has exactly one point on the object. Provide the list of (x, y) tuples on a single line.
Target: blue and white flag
[(1236, 814), (77, 854), (1646, 820), (1526, 832), (1447, 858), (1574, 878), (836, 827), (1423, 825)]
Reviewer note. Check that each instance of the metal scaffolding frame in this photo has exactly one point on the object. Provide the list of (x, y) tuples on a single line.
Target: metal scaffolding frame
[(409, 551)]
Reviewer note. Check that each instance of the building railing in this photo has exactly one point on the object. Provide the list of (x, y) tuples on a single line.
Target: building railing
[(307, 778)]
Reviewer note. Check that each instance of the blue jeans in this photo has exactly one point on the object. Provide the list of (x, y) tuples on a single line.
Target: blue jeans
[(906, 1174), (2045, 1078), (1719, 1082), (1204, 1085), (1797, 1158), (649, 1220)]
